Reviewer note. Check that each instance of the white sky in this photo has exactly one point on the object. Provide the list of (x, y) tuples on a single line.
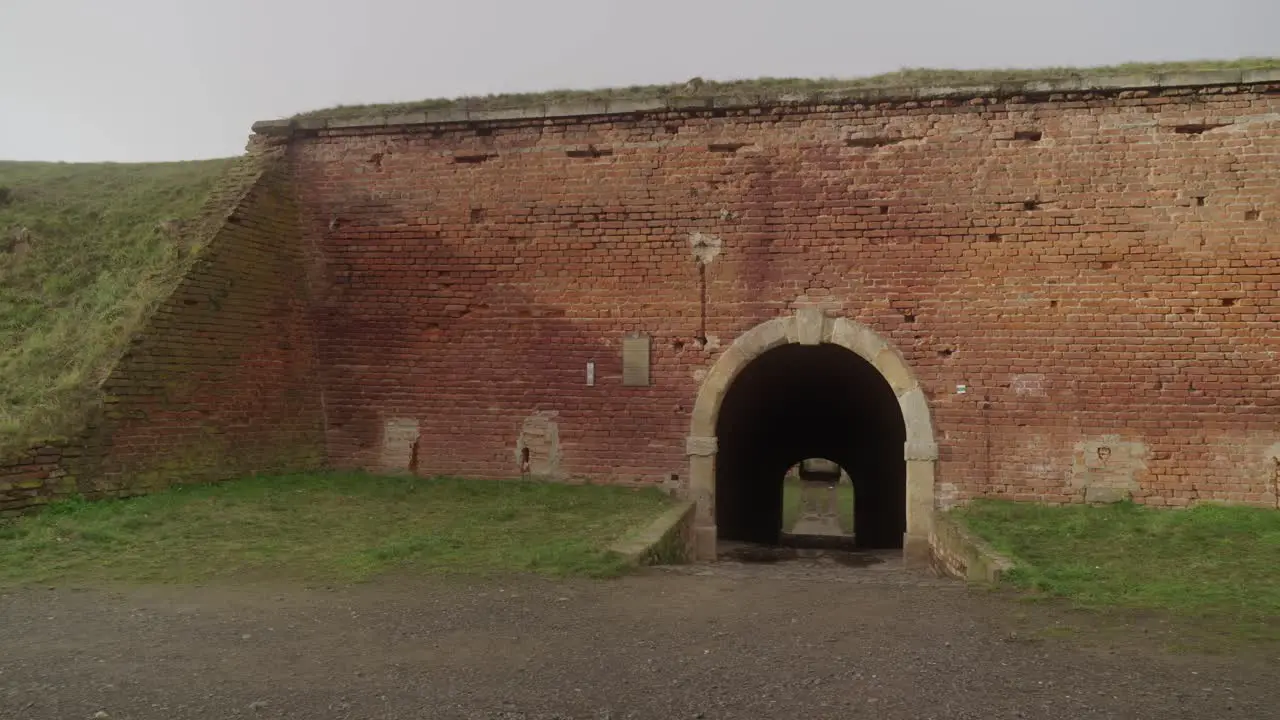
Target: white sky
[(177, 79)]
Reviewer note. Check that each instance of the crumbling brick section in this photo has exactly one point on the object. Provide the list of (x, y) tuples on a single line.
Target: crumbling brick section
[(32, 477), (219, 383), (1056, 268)]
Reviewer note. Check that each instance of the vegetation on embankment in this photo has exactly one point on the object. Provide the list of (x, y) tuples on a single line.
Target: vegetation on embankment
[(769, 87), (86, 251), (327, 527), (1210, 562)]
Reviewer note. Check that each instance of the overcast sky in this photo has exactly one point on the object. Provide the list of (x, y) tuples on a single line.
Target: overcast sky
[(176, 79)]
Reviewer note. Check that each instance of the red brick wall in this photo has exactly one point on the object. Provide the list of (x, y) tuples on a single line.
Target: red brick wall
[(220, 383), (1096, 271)]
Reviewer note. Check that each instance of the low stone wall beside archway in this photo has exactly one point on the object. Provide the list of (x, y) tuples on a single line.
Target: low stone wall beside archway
[(810, 326)]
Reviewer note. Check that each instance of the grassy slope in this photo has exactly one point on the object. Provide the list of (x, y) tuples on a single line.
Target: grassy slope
[(1209, 561), (95, 258), (330, 527), (915, 77)]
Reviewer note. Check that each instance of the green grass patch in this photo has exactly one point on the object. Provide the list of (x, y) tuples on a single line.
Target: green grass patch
[(791, 487), (86, 250), (763, 87), (1210, 561), (338, 527)]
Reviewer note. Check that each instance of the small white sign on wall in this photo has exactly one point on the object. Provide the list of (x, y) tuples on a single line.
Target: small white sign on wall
[(591, 374)]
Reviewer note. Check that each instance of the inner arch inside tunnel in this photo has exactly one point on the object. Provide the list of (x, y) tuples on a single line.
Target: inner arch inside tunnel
[(794, 402)]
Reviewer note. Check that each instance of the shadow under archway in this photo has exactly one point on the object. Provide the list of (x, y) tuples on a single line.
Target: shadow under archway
[(803, 401)]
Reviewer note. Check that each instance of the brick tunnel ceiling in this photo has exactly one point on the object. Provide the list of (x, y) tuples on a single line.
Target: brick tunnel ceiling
[(796, 402)]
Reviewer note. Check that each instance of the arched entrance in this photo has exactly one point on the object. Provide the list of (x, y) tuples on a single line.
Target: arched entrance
[(812, 386), (809, 401)]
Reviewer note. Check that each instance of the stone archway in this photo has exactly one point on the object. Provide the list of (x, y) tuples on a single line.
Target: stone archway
[(810, 326)]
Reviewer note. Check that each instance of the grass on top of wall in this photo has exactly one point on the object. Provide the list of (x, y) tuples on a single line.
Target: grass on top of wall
[(1214, 562), (768, 87), (331, 527), (86, 251)]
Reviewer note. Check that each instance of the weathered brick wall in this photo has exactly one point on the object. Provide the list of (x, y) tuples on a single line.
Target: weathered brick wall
[(30, 478), (1101, 271), (220, 382)]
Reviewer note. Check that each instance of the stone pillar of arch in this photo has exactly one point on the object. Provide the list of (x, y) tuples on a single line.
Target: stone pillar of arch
[(810, 326)]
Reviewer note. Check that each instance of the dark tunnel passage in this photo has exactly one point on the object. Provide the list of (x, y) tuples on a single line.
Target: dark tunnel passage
[(805, 401)]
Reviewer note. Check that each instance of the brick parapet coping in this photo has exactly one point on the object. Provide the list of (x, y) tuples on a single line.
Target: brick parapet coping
[(1104, 84)]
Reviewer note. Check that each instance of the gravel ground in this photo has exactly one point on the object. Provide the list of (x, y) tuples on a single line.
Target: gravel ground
[(732, 640)]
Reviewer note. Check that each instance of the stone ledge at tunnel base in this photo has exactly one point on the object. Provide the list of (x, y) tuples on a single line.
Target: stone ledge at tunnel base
[(667, 540), (956, 552)]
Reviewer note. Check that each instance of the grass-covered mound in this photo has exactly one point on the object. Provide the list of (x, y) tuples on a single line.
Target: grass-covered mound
[(1214, 563), (86, 251), (336, 527), (770, 87)]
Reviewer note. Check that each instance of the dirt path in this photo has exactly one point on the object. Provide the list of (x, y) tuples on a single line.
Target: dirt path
[(732, 641)]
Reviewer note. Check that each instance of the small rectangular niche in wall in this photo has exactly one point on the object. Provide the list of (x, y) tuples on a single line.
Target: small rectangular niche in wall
[(399, 445), (635, 360), (590, 151)]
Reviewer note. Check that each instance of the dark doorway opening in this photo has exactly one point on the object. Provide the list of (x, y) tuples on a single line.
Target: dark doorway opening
[(797, 402)]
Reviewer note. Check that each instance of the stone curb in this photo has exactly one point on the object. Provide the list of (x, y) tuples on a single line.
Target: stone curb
[(665, 541), (588, 108), (958, 553)]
